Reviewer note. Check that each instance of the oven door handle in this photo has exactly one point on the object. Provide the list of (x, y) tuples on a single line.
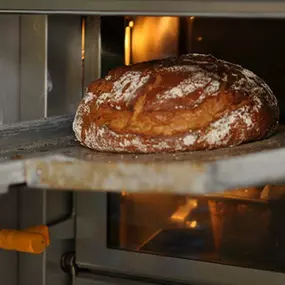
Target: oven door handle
[(32, 240)]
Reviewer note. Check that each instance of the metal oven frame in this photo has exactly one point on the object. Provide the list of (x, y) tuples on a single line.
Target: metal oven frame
[(92, 252)]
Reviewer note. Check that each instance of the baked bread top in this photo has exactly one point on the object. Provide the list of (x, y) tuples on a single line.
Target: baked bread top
[(192, 102)]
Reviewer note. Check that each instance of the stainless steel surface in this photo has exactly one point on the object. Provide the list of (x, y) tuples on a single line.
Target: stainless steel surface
[(92, 53), (9, 219), (34, 138), (38, 207), (53, 159), (33, 59), (64, 63), (23, 81), (11, 173), (97, 279), (43, 207), (147, 7), (93, 253), (32, 211), (23, 57), (63, 229), (58, 205), (9, 69)]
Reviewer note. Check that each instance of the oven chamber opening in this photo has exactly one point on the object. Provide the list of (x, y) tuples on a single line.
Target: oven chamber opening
[(207, 239), (242, 227)]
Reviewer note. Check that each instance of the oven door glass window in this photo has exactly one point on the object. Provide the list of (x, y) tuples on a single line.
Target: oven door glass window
[(241, 231)]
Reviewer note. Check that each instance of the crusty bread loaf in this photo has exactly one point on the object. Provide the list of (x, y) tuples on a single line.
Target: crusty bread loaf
[(193, 102)]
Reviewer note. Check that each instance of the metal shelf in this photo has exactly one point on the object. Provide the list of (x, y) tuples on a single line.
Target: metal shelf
[(243, 8), (44, 154)]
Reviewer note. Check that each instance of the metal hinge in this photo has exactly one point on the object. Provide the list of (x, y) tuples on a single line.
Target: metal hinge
[(68, 265)]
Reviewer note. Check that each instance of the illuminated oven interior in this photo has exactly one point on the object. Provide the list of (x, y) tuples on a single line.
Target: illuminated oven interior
[(148, 38), (243, 227)]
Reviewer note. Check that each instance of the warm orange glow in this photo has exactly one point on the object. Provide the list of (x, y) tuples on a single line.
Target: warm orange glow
[(154, 37), (83, 38), (184, 211), (192, 224), (127, 45), (131, 24)]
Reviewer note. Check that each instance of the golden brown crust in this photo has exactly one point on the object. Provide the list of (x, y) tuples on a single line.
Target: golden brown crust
[(189, 103)]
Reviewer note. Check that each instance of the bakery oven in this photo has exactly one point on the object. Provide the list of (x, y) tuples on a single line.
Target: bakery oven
[(205, 217), (206, 238)]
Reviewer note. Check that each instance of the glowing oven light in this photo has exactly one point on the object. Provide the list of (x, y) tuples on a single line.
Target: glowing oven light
[(183, 212), (83, 39), (128, 42), (191, 224), (139, 38), (131, 24)]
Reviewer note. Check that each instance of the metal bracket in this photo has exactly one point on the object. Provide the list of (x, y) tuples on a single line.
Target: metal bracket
[(63, 230), (4, 189), (11, 173)]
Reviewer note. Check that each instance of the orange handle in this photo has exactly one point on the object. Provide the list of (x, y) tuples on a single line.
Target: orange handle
[(43, 230), (22, 241)]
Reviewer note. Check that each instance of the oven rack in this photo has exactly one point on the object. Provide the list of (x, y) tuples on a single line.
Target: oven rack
[(44, 154), (229, 8)]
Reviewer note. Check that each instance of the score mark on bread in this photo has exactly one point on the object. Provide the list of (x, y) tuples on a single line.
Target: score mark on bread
[(193, 102)]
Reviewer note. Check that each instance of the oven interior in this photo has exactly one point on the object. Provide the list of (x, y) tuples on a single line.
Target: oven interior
[(239, 231), (243, 230)]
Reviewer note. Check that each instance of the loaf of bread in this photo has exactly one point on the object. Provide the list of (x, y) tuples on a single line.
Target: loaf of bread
[(193, 102)]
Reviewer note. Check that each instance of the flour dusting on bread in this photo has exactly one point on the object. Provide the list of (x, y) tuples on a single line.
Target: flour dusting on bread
[(192, 102)]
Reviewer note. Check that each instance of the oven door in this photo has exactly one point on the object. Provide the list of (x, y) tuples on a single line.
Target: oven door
[(195, 240)]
